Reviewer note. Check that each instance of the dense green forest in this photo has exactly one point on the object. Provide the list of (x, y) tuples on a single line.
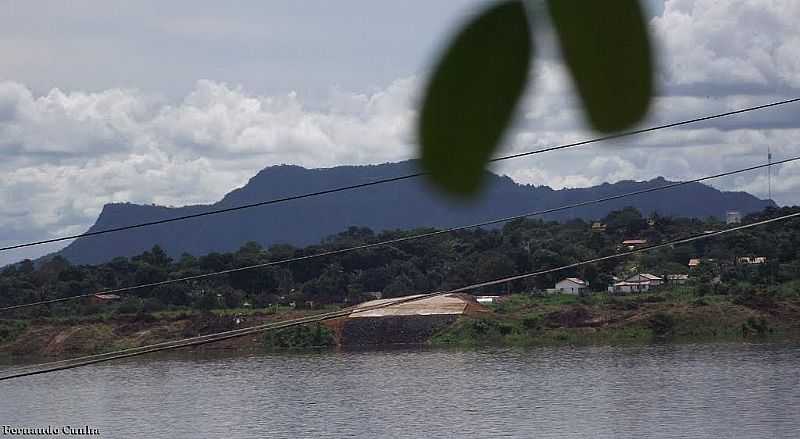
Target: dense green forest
[(441, 262)]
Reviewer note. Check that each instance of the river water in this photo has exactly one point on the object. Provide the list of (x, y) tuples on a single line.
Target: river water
[(659, 391)]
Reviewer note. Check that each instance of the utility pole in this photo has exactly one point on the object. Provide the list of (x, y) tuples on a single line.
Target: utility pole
[(771, 262), (769, 172)]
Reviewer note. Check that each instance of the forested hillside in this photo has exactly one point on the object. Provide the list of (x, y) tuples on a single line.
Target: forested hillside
[(442, 262)]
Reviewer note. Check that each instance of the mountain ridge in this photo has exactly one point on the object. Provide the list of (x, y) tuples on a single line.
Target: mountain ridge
[(404, 204)]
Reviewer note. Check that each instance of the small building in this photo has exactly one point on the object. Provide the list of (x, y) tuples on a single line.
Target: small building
[(598, 227), (639, 283), (571, 285), (676, 279), (99, 299), (626, 287), (751, 260), (486, 300), (646, 277), (694, 263), (633, 244), (733, 217), (374, 294)]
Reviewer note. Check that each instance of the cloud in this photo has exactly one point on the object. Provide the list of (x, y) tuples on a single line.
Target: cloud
[(725, 47), (68, 152)]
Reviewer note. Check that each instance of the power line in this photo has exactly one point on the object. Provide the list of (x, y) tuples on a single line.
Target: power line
[(221, 336), (394, 179), (403, 239)]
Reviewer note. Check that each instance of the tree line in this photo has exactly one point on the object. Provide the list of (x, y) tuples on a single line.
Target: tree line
[(440, 262)]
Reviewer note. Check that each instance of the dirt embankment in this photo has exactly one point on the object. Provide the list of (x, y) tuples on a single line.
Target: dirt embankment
[(527, 323), (64, 339)]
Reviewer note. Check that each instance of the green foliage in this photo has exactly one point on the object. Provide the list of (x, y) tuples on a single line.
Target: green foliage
[(607, 49), (662, 325), (532, 323), (475, 87), (10, 329), (755, 326), (436, 263), (299, 337), (208, 300), (152, 305), (131, 305), (476, 332), (472, 94)]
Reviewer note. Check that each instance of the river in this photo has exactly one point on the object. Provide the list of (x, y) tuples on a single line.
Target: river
[(659, 391)]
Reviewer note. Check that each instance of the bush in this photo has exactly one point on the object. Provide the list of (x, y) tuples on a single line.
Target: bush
[(9, 330), (299, 337), (91, 308), (662, 325), (131, 305), (207, 301), (532, 323), (761, 302), (488, 328), (233, 298), (152, 305), (755, 326)]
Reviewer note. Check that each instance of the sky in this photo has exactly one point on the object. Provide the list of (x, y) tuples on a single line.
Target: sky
[(179, 102)]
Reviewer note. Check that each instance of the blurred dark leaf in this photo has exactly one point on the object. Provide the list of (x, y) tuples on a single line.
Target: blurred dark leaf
[(607, 49), (472, 94)]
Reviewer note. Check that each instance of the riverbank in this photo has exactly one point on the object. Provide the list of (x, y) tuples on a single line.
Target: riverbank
[(72, 337), (519, 320), (603, 319)]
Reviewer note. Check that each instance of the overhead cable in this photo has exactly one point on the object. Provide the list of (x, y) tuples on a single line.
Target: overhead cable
[(401, 239), (394, 179), (213, 338)]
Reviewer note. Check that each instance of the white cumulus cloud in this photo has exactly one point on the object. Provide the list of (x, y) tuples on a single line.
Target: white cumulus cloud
[(68, 152)]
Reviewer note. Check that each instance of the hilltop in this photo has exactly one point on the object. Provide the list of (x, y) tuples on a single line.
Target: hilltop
[(406, 204)]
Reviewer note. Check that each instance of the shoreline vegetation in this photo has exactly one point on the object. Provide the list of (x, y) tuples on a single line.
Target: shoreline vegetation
[(520, 320), (742, 286)]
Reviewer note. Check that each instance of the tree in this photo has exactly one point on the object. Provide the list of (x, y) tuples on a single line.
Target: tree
[(627, 221), (156, 257)]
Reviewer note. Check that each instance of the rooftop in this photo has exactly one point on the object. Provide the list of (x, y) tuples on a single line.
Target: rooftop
[(576, 281), (634, 241), (458, 304)]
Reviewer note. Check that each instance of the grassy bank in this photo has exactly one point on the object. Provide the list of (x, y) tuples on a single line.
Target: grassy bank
[(520, 320), (65, 337), (524, 320)]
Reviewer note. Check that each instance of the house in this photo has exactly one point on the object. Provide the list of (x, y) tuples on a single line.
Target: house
[(733, 217), (751, 260), (99, 299), (374, 294), (633, 244), (639, 283), (571, 285), (652, 279), (486, 300), (676, 279), (625, 287)]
